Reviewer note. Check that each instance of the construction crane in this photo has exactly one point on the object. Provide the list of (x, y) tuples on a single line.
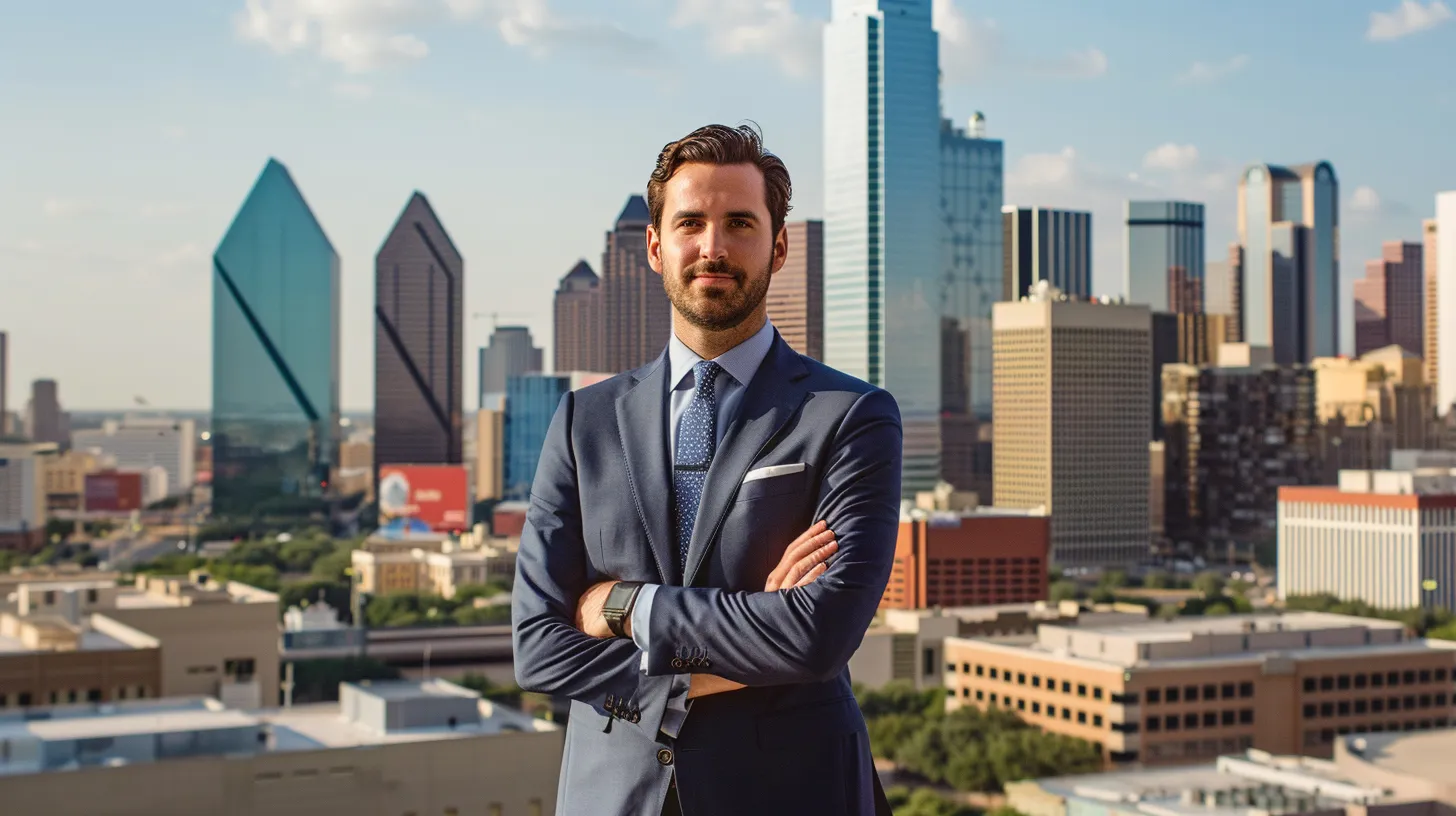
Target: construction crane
[(495, 317)]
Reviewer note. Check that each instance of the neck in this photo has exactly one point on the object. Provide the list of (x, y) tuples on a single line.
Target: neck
[(710, 344)]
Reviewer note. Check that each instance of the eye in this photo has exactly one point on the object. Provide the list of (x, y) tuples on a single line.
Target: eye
[(740, 222), (689, 223)]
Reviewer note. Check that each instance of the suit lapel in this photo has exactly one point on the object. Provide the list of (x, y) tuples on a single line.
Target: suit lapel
[(771, 400), (642, 424)]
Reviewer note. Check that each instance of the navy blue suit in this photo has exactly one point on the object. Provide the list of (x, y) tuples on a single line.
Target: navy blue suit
[(793, 742)]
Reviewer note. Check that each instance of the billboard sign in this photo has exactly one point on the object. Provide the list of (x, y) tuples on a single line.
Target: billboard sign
[(424, 498), (113, 492)]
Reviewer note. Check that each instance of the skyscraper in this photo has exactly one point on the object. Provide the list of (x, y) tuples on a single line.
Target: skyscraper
[(44, 419), (1388, 301), (1072, 425), (419, 302), (1289, 222), (1431, 341), (883, 221), (1445, 240), (1163, 261), (275, 350), (530, 404), (577, 321), (638, 316), (1041, 244), (796, 293), (971, 190), (511, 353)]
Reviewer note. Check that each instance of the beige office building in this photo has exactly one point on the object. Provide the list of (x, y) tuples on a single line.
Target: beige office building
[(1071, 395), (796, 293), (1162, 693), (432, 563), (490, 448), (1433, 288), (391, 748)]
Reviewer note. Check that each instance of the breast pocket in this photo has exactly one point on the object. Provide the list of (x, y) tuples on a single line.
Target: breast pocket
[(785, 484)]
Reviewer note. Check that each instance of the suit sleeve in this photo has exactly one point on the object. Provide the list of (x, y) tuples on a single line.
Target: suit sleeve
[(808, 633), (551, 655)]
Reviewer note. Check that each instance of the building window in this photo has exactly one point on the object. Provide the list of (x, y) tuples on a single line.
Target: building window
[(1377, 706), (1190, 694), (1067, 714), (1425, 675), (980, 670), (1066, 687), (1343, 682), (1344, 708), (980, 695), (1020, 705), (1246, 689), (241, 668), (1036, 681), (1409, 678), (1155, 695), (1392, 678), (1210, 692), (1327, 709), (1051, 710), (1228, 716), (950, 668), (1440, 675), (1309, 710), (1154, 725), (1082, 717), (1125, 698), (91, 596), (1361, 706), (1327, 683), (1440, 699), (1210, 719), (1172, 694), (1170, 722), (1021, 678), (93, 695), (1246, 716), (993, 673), (1361, 681), (1097, 720), (1190, 720), (1377, 681), (927, 662), (22, 699), (1228, 691), (1036, 708), (1081, 689)]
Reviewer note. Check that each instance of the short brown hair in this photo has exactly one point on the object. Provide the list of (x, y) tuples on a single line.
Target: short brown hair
[(720, 144)]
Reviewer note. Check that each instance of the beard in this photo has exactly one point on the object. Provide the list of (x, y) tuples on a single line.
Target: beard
[(715, 309)]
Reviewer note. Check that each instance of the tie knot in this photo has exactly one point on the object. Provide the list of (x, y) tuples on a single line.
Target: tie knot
[(704, 373)]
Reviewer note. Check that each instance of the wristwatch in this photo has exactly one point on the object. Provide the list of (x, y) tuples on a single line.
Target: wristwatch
[(618, 607)]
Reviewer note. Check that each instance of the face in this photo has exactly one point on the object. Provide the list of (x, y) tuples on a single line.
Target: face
[(715, 247)]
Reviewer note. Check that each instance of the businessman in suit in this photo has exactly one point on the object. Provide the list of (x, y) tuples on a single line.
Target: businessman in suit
[(710, 535)]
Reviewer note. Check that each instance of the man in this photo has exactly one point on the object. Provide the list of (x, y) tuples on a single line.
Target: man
[(709, 535)]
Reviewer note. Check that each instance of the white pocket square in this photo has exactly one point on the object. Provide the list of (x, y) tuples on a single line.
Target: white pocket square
[(772, 471)]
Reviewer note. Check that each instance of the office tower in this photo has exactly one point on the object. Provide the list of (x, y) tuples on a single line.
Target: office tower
[(1369, 407), (490, 448), (141, 442), (1072, 428), (1289, 223), (796, 293), (1230, 293), (510, 353), (1388, 301), (882, 224), (1166, 341), (638, 316), (1445, 240), (1041, 244), (1234, 434), (531, 401), (419, 303), (577, 321), (4, 385), (971, 191), (44, 419), (275, 351), (1431, 340), (1163, 258)]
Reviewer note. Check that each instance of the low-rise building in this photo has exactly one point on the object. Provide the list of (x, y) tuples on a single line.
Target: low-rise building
[(975, 556), (1188, 690), (49, 660), (389, 748), (1412, 766), (433, 563), (1384, 537), (1254, 783)]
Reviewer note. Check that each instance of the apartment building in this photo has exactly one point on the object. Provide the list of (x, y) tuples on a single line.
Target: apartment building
[(969, 558), (391, 748), (1161, 693)]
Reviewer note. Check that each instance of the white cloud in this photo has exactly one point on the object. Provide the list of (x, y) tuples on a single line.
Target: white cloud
[(1171, 156), (1408, 18), (1045, 169), (1213, 71), (770, 28), (55, 207), (1364, 199), (973, 48), (368, 35)]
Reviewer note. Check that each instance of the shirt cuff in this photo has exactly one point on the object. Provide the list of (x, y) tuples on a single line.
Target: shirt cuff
[(641, 620)]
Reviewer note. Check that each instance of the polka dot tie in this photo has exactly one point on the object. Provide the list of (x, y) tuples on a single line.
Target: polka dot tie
[(696, 442)]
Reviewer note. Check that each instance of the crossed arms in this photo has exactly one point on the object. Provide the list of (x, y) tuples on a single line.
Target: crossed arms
[(803, 631)]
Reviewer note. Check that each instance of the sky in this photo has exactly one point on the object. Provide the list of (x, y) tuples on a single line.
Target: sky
[(133, 131)]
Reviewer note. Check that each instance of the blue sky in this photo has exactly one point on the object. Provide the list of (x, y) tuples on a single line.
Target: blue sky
[(133, 130)]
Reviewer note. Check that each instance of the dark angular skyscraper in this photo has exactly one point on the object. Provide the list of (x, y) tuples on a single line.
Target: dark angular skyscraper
[(418, 341), (275, 353), (638, 317), (577, 323)]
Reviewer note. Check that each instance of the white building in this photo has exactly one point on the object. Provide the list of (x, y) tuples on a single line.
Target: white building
[(1384, 537), (22, 495), (1444, 314), (139, 443), (883, 270)]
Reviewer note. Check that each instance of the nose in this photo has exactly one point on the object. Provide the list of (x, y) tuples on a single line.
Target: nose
[(712, 246)]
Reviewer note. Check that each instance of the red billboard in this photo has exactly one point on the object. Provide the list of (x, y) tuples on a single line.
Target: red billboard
[(113, 492), (424, 498)]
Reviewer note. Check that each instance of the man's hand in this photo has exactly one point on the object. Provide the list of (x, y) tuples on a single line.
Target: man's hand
[(589, 611)]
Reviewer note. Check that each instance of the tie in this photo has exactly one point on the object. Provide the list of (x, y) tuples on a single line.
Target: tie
[(696, 442)]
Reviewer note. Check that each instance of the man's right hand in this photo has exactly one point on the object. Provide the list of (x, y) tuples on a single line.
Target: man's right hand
[(803, 561)]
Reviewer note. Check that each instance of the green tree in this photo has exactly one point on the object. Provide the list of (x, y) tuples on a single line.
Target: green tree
[(1063, 591), (1113, 579), (1210, 584), (1157, 579), (926, 802), (899, 697), (924, 752), (508, 695), (969, 769)]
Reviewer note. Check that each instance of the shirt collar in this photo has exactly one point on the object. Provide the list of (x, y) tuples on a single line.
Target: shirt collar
[(741, 362)]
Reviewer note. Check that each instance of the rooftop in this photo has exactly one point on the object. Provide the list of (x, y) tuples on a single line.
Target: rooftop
[(1422, 754)]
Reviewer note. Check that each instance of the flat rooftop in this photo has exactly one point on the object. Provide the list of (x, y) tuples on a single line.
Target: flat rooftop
[(1422, 754), (1181, 628)]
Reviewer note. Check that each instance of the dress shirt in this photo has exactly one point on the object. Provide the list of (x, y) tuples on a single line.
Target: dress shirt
[(739, 364)]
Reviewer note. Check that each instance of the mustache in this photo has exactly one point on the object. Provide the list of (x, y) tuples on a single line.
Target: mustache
[(714, 267)]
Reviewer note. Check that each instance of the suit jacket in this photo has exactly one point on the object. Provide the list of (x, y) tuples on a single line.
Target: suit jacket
[(794, 741)]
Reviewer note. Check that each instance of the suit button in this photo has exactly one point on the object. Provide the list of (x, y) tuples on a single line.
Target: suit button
[(664, 757), (636, 715), (677, 663)]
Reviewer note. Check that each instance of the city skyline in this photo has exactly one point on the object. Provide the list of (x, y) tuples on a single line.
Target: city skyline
[(75, 217)]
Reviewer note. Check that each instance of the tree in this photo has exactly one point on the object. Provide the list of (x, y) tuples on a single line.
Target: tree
[(1157, 579), (1113, 579), (968, 769), (926, 802), (1063, 591), (1210, 584), (924, 753)]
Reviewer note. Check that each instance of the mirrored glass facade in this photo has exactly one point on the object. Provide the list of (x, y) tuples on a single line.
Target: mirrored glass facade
[(972, 193), (275, 355), (531, 401), (882, 228), (1165, 256)]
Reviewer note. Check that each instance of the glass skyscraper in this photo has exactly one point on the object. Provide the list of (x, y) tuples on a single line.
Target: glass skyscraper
[(971, 193), (1164, 259), (275, 354), (883, 274), (531, 401), (418, 341), (1289, 226)]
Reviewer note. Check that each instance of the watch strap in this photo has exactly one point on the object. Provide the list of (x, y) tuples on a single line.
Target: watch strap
[(618, 606)]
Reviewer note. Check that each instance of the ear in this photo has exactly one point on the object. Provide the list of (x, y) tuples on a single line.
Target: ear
[(780, 249), (654, 249)]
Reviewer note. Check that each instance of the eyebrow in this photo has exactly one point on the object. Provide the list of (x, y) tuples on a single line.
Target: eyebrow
[(681, 214)]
